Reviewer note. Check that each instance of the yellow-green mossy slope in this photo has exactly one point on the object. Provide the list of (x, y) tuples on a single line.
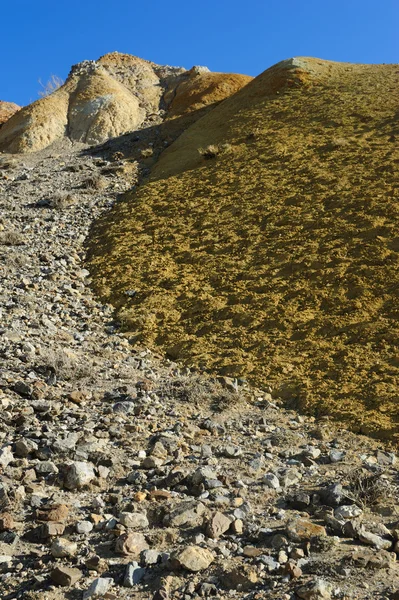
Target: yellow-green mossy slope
[(265, 242)]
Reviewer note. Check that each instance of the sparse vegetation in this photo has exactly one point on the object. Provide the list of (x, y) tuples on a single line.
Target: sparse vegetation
[(63, 200), (94, 183), (11, 238), (65, 366), (209, 152), (365, 489), (50, 86)]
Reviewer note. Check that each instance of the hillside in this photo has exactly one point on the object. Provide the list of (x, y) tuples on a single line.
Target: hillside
[(274, 255), (117, 94), (123, 474)]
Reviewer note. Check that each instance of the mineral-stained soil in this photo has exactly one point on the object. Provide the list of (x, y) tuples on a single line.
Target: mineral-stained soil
[(265, 242)]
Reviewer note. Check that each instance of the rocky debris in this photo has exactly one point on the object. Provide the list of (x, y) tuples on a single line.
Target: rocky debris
[(238, 496)]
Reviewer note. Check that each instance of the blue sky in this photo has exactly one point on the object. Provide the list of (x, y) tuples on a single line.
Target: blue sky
[(40, 38)]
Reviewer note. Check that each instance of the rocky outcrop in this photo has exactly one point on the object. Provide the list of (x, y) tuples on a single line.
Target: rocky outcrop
[(112, 96), (7, 109)]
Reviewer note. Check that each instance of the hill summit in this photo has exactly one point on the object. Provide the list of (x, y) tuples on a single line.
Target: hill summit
[(265, 242), (112, 96)]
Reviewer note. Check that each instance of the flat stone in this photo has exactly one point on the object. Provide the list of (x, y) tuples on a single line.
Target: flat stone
[(56, 513), (65, 576), (84, 527), (244, 576), (271, 481), (350, 511), (186, 514), (51, 529), (6, 522)]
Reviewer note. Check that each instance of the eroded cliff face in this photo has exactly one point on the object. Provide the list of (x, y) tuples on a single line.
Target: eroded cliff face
[(117, 94)]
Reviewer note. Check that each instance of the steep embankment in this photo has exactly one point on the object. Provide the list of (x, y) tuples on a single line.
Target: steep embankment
[(278, 258), (117, 94)]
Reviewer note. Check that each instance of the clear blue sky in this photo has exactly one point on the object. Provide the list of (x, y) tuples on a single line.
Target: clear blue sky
[(40, 37)]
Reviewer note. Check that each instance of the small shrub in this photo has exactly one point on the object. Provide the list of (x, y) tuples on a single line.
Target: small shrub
[(51, 86), (197, 391), (147, 152), (94, 183), (8, 163), (65, 367), (11, 238), (365, 489), (209, 152), (62, 200)]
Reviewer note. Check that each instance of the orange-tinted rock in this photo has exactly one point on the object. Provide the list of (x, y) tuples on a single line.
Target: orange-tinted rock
[(7, 109), (302, 530)]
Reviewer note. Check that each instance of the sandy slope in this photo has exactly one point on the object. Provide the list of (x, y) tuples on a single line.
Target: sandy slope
[(278, 259)]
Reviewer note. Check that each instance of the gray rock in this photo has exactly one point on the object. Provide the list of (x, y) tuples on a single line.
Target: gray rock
[(186, 514), (333, 495), (46, 467), (134, 574), (346, 512), (271, 481), (84, 527), (78, 475), (98, 588), (6, 456), (336, 456), (150, 557)]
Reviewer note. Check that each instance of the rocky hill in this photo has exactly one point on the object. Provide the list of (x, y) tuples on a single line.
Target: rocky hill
[(7, 109), (264, 243), (124, 474), (114, 95)]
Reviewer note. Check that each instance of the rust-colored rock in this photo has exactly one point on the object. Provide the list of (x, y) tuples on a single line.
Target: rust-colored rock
[(131, 544), (56, 513), (302, 530)]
